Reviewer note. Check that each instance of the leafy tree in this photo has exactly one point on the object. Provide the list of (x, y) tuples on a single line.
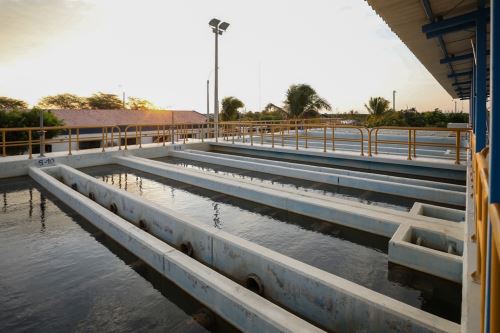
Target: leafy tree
[(435, 118), (105, 101), (230, 106), (377, 106), (140, 104), (275, 112), (302, 101), (63, 101), (31, 118), (7, 103)]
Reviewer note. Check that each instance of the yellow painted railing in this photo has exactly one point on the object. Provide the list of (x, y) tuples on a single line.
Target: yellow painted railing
[(297, 133), (412, 143), (308, 133), (24, 139), (486, 213)]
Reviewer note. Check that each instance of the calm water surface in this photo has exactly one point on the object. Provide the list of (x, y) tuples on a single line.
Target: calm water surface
[(60, 274), (354, 255), (366, 197)]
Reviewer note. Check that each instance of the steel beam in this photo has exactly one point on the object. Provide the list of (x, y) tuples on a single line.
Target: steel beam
[(453, 24), (462, 57), (458, 74)]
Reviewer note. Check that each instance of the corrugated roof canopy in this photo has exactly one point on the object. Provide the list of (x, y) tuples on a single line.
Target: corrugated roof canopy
[(406, 19)]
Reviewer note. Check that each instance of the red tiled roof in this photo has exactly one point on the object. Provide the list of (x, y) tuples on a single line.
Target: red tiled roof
[(126, 117)]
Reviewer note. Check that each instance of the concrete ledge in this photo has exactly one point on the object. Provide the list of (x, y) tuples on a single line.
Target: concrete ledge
[(242, 308), (328, 300), (424, 167), (365, 183), (438, 212), (18, 165), (425, 257)]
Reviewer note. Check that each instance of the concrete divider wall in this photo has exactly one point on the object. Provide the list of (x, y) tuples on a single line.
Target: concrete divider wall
[(375, 185), (332, 170), (330, 301), (18, 165), (394, 165), (242, 308)]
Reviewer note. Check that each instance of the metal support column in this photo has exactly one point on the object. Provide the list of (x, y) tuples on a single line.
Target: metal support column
[(480, 83), (491, 322)]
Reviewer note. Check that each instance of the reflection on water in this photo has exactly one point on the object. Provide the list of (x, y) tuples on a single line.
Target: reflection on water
[(58, 273), (366, 197), (352, 254)]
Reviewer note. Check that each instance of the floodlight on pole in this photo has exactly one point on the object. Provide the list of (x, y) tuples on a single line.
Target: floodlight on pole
[(217, 28)]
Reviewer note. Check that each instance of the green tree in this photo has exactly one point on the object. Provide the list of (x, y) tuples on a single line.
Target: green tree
[(230, 106), (135, 103), (63, 101), (377, 106), (31, 118), (302, 101), (7, 103), (105, 101)]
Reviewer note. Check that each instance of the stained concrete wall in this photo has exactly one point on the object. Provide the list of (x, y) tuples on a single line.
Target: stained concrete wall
[(240, 307)]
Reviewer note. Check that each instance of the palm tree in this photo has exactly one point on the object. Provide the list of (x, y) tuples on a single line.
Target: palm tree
[(377, 106), (230, 106), (302, 101)]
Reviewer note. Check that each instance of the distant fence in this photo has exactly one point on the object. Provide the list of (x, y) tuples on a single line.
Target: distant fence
[(301, 134)]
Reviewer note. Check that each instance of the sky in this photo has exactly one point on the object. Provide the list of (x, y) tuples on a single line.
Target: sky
[(163, 50)]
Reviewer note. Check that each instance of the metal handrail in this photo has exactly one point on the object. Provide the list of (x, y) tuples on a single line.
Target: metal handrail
[(412, 141), (70, 130), (486, 213), (301, 132)]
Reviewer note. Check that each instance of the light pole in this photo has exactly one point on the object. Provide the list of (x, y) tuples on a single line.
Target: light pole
[(218, 28), (394, 100), (208, 100), (123, 95)]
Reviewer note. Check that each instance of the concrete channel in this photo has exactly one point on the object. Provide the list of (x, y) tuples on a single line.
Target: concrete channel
[(242, 308), (364, 181), (322, 298), (333, 170), (377, 220), (424, 168)]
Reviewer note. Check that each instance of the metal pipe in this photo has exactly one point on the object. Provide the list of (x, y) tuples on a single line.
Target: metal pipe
[(42, 136)]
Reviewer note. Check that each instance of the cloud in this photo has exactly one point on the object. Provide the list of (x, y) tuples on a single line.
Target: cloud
[(29, 26)]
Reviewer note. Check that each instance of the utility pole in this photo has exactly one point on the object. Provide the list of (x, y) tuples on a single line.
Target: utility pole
[(394, 100)]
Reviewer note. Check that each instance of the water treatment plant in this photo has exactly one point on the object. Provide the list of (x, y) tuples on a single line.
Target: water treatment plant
[(298, 225)]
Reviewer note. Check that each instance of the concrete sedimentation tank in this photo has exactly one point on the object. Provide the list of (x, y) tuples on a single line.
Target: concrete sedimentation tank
[(277, 243)]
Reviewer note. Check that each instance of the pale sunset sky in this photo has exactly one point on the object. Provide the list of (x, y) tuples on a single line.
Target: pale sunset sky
[(163, 50)]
